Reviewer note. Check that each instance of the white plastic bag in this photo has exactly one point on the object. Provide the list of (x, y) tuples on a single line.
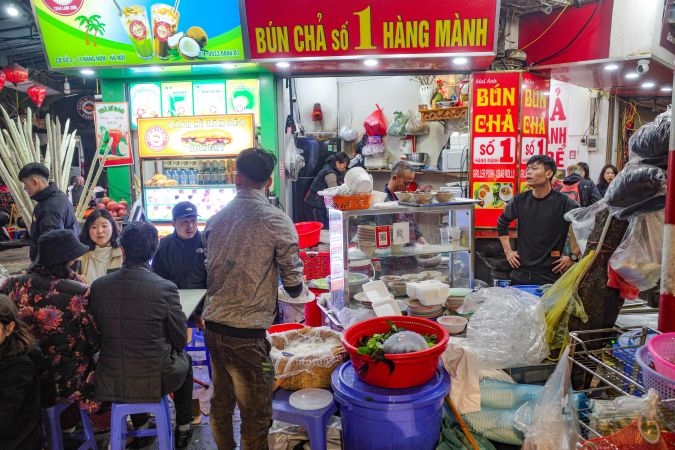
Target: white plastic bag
[(293, 159), (347, 132), (583, 222), (550, 421), (508, 329), (638, 258), (415, 126)]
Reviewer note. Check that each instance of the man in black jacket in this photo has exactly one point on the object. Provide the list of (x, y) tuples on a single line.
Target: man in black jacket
[(143, 334), (181, 257), (53, 211), (579, 189)]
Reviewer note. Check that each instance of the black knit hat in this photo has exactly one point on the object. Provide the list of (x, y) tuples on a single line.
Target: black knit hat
[(58, 247)]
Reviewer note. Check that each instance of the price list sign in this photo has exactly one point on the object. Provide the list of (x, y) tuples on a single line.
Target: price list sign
[(534, 120), (494, 147)]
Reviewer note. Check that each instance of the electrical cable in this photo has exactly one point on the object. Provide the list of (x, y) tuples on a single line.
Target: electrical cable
[(595, 10), (548, 27)]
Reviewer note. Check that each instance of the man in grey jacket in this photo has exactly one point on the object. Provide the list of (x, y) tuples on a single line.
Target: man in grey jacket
[(249, 244)]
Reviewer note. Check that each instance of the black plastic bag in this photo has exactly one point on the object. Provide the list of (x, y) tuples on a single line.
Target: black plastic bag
[(638, 189), (650, 142)]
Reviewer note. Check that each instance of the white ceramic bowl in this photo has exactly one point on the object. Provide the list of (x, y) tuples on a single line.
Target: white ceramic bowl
[(454, 324), (377, 197)]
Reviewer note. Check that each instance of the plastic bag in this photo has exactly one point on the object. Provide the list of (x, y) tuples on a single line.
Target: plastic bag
[(562, 301), (508, 329), (293, 159), (415, 126), (347, 132), (583, 222), (376, 124), (397, 127), (473, 301), (374, 146), (550, 421), (638, 258), (638, 189), (404, 342), (650, 142), (349, 317)]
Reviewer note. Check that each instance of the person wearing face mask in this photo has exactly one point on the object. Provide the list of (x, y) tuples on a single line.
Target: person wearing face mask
[(181, 257), (100, 234)]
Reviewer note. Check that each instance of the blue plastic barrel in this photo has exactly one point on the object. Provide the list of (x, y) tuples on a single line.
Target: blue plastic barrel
[(533, 289), (375, 418)]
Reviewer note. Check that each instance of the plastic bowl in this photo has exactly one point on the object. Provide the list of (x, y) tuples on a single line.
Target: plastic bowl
[(377, 197), (453, 324), (309, 233), (662, 350), (410, 369), (404, 196)]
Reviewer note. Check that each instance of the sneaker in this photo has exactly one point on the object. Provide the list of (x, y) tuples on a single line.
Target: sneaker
[(183, 437)]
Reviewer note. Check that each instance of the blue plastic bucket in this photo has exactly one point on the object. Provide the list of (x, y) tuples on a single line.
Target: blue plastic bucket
[(533, 289), (375, 418)]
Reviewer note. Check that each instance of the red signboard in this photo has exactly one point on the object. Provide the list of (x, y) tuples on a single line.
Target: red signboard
[(335, 28), (533, 120), (494, 147)]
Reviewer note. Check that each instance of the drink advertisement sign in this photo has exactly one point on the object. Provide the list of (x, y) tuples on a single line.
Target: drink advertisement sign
[(94, 33), (195, 136), (534, 121), (177, 99), (111, 121), (494, 148), (209, 98)]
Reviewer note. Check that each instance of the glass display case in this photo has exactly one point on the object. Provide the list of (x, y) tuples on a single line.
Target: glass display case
[(400, 244)]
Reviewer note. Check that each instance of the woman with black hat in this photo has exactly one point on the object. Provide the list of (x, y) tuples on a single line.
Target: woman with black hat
[(53, 303)]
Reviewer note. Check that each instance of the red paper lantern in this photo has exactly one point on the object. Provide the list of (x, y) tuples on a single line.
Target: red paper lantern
[(37, 93), (15, 73), (3, 77)]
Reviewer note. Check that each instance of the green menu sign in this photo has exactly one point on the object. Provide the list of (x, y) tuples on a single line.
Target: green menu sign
[(104, 33)]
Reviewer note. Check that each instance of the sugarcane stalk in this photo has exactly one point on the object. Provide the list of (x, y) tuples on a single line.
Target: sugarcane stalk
[(14, 133), (19, 195), (69, 157), (10, 157), (50, 138), (90, 184)]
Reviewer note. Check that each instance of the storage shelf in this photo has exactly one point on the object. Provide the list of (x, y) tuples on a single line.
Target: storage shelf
[(193, 186), (356, 254)]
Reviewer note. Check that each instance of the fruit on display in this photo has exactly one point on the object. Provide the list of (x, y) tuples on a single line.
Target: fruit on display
[(159, 179), (116, 209)]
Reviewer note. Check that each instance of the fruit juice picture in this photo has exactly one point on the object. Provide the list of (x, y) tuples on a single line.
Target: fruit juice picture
[(115, 136), (164, 25), (135, 22)]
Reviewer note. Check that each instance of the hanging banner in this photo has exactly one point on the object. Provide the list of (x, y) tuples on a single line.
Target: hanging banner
[(112, 124), (207, 136), (534, 121), (559, 147), (334, 28), (494, 147), (95, 33)]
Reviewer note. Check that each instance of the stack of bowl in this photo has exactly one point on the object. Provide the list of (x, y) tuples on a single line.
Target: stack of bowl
[(365, 237), (415, 308), (358, 180)]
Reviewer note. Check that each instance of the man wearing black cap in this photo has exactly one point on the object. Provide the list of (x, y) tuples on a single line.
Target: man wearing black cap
[(53, 211), (181, 257)]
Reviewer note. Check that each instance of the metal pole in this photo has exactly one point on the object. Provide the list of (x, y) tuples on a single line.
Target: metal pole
[(667, 299)]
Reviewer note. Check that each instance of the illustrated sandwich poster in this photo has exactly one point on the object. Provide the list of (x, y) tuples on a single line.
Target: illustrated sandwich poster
[(207, 136)]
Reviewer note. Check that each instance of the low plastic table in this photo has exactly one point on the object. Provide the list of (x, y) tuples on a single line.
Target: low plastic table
[(315, 422)]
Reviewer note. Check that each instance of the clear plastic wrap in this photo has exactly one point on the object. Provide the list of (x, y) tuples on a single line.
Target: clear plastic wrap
[(583, 222), (347, 132), (650, 142), (293, 160), (374, 147), (638, 258), (638, 189), (508, 329), (550, 421), (311, 351), (349, 316), (415, 126), (473, 301), (397, 127), (404, 342)]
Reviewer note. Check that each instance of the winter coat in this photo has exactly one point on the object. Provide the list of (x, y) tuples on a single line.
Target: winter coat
[(53, 211), (312, 198), (114, 263), (56, 311), (588, 192), (143, 333), (182, 261)]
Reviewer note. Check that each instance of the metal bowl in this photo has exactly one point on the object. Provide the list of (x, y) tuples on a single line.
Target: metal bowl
[(419, 158)]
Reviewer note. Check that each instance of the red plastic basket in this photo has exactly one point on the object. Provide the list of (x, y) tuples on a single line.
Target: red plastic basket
[(309, 233), (317, 264), (280, 328), (410, 369), (662, 349)]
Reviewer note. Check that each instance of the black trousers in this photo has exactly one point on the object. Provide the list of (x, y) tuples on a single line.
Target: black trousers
[(520, 276), (182, 400)]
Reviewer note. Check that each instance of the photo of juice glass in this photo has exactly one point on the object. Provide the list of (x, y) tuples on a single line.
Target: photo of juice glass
[(164, 25), (135, 22)]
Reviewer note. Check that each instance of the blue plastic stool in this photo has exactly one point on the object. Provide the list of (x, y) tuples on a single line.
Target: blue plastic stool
[(51, 419), (315, 422), (197, 344), (118, 423)]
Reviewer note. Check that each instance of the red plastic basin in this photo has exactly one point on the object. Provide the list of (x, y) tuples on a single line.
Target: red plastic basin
[(280, 328), (309, 233)]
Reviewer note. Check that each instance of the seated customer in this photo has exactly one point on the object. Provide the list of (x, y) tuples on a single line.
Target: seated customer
[(181, 257), (19, 383), (100, 234), (53, 303), (142, 332)]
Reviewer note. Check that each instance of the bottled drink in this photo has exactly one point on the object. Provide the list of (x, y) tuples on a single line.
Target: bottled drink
[(200, 172), (192, 179)]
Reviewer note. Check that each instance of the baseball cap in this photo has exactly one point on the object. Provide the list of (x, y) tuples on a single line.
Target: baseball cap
[(183, 210)]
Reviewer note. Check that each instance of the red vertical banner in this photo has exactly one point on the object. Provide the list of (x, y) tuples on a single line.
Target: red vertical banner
[(533, 120), (494, 146)]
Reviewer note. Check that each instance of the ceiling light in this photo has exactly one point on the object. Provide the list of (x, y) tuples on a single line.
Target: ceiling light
[(648, 85), (666, 89), (631, 76), (228, 66), (610, 67), (12, 10), (370, 62), (155, 69), (460, 61), (87, 72), (283, 65)]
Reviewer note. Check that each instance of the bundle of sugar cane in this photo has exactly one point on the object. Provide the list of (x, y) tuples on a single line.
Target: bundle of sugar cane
[(90, 183)]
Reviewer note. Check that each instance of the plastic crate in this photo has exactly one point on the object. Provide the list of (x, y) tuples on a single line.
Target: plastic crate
[(317, 264)]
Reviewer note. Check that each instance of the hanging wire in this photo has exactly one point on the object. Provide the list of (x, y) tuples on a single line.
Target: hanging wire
[(548, 27)]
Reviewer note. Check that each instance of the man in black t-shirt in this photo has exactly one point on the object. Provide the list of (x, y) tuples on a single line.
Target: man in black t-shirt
[(542, 228)]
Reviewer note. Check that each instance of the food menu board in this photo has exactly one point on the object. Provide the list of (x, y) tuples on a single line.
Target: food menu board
[(494, 147), (195, 136), (160, 201), (177, 99), (111, 121), (534, 120), (146, 101), (209, 98)]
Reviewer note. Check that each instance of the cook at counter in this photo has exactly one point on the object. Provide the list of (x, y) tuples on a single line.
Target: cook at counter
[(542, 228), (331, 175)]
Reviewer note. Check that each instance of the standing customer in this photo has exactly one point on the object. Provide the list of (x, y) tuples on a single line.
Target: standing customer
[(331, 175), (19, 383), (585, 170), (100, 234), (250, 243), (579, 189), (607, 175), (542, 228), (142, 330), (53, 303), (181, 257), (53, 211)]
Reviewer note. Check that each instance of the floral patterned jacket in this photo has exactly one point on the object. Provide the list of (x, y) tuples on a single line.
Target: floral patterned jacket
[(56, 311)]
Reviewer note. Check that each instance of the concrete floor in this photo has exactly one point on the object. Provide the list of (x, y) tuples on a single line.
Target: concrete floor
[(15, 259)]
